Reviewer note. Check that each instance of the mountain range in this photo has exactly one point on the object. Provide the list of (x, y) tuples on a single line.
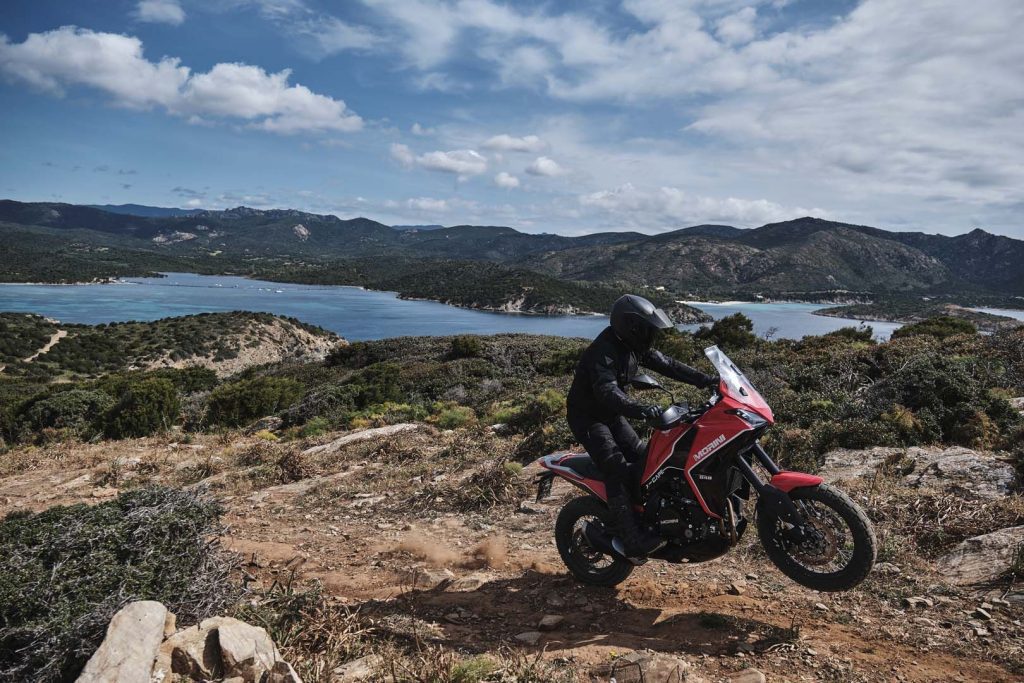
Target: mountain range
[(805, 255)]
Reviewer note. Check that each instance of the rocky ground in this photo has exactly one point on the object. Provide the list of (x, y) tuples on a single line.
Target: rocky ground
[(428, 535)]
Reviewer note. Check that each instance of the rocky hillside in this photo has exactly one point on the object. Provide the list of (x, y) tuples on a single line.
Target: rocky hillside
[(802, 255), (226, 343), (373, 513)]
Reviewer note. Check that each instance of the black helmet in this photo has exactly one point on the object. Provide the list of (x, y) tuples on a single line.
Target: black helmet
[(636, 321)]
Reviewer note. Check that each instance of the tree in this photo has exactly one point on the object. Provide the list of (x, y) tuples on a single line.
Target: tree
[(732, 332), (145, 407)]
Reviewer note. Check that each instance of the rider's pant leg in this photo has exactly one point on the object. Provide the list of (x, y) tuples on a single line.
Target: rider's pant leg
[(599, 440)]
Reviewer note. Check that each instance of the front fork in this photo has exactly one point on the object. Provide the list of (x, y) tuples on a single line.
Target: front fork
[(771, 500)]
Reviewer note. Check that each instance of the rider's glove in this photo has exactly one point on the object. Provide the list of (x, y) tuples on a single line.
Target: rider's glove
[(710, 381), (651, 412)]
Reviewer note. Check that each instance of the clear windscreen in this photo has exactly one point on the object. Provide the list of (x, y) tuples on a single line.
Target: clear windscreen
[(736, 383)]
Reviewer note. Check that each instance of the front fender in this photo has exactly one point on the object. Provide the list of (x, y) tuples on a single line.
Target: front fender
[(787, 481)]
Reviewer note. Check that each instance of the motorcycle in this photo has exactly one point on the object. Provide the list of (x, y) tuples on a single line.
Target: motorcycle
[(696, 474)]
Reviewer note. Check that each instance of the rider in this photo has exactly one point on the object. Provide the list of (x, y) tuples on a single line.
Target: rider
[(597, 406)]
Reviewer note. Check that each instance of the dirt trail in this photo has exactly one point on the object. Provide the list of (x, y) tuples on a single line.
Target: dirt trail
[(54, 338), (475, 581)]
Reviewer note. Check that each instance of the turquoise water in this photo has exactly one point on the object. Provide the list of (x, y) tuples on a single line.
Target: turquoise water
[(353, 313), (1008, 312)]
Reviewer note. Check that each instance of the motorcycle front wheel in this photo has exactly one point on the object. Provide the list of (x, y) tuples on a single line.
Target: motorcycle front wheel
[(839, 547), (585, 562)]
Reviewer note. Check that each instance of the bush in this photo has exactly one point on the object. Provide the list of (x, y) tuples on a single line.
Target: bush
[(940, 327), (78, 411), (315, 427), (452, 416), (467, 346), (239, 403), (732, 332), (69, 569), (145, 407)]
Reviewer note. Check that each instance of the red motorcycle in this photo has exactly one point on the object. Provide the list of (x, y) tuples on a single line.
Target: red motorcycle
[(696, 474)]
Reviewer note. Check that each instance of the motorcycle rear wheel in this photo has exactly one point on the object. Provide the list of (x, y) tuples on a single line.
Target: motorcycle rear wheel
[(585, 562), (841, 549)]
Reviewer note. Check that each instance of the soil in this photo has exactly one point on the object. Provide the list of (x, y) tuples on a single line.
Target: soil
[(473, 580)]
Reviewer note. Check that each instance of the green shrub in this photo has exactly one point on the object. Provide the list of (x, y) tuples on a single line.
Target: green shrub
[(560, 362), (146, 406), (190, 379), (78, 411), (467, 346), (545, 406), (861, 333), (732, 332), (315, 427), (940, 327), (377, 383), (69, 569), (452, 416), (238, 403)]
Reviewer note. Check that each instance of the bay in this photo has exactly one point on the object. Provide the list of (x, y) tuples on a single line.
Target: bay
[(352, 312)]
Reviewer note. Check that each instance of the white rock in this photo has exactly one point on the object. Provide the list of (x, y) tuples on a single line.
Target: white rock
[(643, 667), (363, 435), (981, 558), (747, 676), (549, 622), (245, 650), (957, 468), (529, 637), (362, 669), (127, 652)]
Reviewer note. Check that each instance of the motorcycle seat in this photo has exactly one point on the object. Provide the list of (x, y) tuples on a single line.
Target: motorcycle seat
[(584, 466)]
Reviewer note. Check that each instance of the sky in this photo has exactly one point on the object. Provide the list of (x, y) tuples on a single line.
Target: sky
[(567, 117)]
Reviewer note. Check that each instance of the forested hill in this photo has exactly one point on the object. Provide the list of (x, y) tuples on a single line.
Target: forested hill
[(780, 259)]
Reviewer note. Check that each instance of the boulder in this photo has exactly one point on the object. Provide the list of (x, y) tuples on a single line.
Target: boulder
[(639, 667), (245, 650), (362, 669), (549, 622), (1018, 403), (529, 637), (362, 435), (271, 423), (982, 558), (192, 652), (127, 652), (962, 469), (747, 676)]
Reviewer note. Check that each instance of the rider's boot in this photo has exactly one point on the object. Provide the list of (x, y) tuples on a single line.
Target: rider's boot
[(631, 539)]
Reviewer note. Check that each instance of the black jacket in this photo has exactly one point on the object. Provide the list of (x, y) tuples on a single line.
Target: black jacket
[(604, 371)]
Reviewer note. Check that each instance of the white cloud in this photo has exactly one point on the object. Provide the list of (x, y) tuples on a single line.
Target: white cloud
[(738, 27), (545, 166), (332, 35), (462, 162), (421, 131), (427, 204), (507, 143), (160, 12), (506, 180), (402, 154), (670, 207), (112, 63), (896, 99), (249, 92)]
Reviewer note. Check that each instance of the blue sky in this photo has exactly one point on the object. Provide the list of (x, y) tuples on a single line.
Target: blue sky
[(564, 117)]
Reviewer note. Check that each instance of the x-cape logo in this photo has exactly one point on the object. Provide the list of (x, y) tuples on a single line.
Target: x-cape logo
[(709, 449)]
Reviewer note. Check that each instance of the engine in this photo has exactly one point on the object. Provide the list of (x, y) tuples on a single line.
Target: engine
[(678, 517)]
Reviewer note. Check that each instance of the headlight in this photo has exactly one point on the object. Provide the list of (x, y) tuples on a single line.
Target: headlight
[(753, 419)]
